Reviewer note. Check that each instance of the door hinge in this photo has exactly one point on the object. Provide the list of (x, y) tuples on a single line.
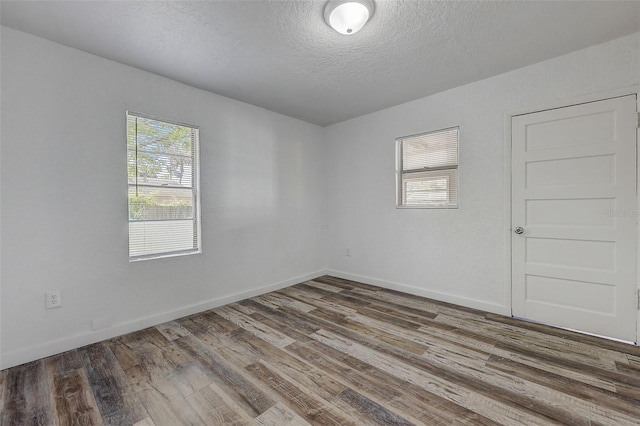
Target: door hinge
[(638, 299), (638, 123)]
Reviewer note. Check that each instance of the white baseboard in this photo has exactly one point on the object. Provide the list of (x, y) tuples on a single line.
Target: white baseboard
[(431, 294), (33, 353)]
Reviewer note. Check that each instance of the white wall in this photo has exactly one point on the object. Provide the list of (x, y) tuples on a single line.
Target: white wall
[(270, 186), (453, 255), (64, 209)]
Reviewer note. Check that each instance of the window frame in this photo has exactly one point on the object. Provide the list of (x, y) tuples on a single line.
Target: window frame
[(195, 188), (451, 173)]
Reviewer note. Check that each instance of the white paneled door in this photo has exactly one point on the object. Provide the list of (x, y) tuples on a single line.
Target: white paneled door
[(574, 217)]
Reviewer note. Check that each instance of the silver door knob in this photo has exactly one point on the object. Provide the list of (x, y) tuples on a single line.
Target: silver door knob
[(518, 230)]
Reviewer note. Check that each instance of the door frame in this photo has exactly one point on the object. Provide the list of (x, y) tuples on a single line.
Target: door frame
[(598, 96)]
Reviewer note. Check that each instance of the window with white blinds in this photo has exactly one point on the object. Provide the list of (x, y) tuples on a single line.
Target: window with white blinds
[(427, 169), (164, 205)]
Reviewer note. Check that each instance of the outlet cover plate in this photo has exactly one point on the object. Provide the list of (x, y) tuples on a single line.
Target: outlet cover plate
[(53, 299)]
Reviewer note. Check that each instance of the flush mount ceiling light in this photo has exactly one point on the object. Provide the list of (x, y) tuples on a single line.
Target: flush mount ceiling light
[(348, 16)]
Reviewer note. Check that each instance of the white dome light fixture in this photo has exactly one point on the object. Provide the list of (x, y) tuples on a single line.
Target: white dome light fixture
[(348, 16)]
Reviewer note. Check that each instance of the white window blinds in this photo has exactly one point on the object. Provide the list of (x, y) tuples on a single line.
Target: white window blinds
[(162, 165), (427, 171)]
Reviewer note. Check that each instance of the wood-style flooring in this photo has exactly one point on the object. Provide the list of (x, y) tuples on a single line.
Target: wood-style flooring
[(332, 352)]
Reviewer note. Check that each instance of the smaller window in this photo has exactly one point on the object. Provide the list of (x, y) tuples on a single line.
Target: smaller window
[(427, 169)]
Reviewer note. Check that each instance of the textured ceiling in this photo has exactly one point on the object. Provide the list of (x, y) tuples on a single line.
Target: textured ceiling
[(280, 55)]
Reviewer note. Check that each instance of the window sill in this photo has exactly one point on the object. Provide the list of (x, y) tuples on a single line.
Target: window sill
[(163, 255), (448, 207)]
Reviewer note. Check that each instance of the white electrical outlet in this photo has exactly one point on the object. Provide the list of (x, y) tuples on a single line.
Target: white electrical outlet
[(53, 299)]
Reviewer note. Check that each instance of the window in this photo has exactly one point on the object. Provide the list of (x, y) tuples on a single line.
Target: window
[(427, 171), (164, 205)]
